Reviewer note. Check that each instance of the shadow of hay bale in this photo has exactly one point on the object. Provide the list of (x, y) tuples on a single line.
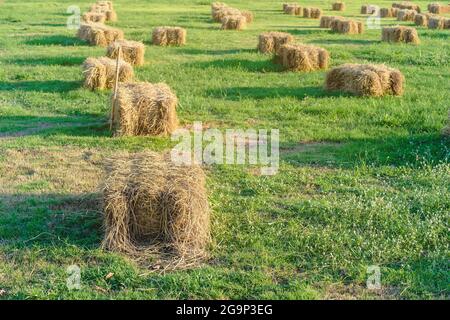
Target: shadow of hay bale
[(40, 86), (59, 40)]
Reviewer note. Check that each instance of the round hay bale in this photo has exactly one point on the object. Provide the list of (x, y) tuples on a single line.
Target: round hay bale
[(132, 51), (152, 206), (99, 73), (93, 17), (165, 36), (338, 6), (270, 42), (235, 22), (303, 58), (365, 80), (99, 34), (400, 34), (144, 108)]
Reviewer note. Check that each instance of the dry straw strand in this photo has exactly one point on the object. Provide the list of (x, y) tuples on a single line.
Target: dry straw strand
[(145, 109), (365, 80), (132, 51)]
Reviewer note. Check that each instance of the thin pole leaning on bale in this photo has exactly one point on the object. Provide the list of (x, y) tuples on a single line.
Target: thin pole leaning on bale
[(116, 84)]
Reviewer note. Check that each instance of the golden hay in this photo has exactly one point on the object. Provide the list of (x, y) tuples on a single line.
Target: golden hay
[(108, 4), (99, 73), (421, 19), (313, 13), (248, 16), (132, 51), (338, 6), (436, 22), (144, 108), (367, 9), (109, 13), (365, 80), (406, 5), (221, 13), (99, 34), (285, 5), (164, 36), (152, 206), (406, 15), (400, 34), (93, 17), (303, 57), (325, 21), (438, 9), (293, 9), (347, 26), (270, 42), (236, 22), (388, 12)]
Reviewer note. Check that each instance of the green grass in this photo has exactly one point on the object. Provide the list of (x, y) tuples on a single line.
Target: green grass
[(362, 181)]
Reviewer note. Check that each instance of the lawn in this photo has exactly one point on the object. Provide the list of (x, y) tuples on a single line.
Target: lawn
[(362, 181)]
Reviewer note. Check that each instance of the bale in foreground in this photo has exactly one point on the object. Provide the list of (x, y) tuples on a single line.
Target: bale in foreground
[(144, 108), (131, 51), (347, 26), (270, 42), (154, 206), (365, 80), (400, 34), (165, 36), (99, 73), (99, 34), (338, 6), (303, 57), (235, 22)]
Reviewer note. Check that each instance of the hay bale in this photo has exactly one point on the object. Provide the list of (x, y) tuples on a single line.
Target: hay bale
[(406, 5), (293, 9), (249, 17), (105, 9), (388, 12), (325, 21), (165, 36), (221, 13), (313, 13), (271, 42), (421, 19), (93, 17), (153, 206), (99, 73), (400, 34), (338, 6), (365, 80), (368, 9), (107, 4), (300, 57), (406, 15), (235, 22), (99, 34), (132, 51), (145, 109), (437, 8), (347, 26), (436, 22)]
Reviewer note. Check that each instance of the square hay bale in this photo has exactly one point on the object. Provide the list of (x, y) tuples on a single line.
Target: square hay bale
[(347, 26), (99, 73), (400, 34), (406, 15), (144, 108), (165, 36), (437, 8), (293, 9), (271, 42), (365, 80), (99, 34), (249, 17), (93, 17), (436, 22), (388, 12), (132, 51), (305, 58), (421, 19), (325, 21), (368, 9), (285, 5), (406, 5), (110, 14), (338, 6), (313, 13), (107, 4), (153, 206), (221, 13), (235, 22)]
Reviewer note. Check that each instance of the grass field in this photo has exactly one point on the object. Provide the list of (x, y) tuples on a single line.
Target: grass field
[(362, 181)]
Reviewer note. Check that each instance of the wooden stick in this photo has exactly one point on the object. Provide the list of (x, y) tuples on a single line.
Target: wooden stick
[(116, 84)]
